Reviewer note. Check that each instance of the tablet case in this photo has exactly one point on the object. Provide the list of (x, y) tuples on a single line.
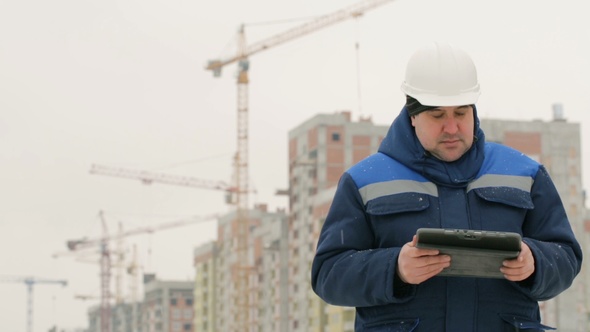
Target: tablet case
[(474, 253)]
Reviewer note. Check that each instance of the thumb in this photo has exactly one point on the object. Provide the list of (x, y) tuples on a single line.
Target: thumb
[(413, 242)]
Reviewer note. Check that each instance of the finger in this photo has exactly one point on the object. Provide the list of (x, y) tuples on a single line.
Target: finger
[(422, 274), (434, 268), (435, 260), (517, 274), (416, 253), (513, 263), (413, 242), (431, 266), (521, 260)]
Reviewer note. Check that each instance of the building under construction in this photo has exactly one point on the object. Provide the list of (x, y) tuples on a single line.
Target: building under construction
[(167, 306)]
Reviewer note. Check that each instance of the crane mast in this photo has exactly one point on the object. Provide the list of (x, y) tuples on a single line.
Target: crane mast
[(105, 278), (242, 268), (30, 282), (242, 187)]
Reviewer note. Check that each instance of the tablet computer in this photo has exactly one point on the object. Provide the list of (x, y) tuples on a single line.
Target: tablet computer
[(474, 253)]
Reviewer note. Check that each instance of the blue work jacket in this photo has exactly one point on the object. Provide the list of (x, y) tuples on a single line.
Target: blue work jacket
[(381, 202)]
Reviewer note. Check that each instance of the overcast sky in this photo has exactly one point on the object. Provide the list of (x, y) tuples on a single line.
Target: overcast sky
[(122, 83)]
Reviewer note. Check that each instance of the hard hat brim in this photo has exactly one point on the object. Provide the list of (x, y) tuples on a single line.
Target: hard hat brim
[(430, 99)]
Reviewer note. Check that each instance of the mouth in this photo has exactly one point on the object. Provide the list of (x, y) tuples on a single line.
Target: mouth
[(450, 141)]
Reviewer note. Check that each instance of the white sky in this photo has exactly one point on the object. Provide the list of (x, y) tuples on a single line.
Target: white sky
[(123, 83)]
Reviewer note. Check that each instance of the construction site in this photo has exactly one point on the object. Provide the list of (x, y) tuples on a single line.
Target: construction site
[(266, 287), (250, 269)]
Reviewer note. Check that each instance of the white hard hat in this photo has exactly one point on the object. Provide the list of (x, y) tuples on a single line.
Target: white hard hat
[(441, 75)]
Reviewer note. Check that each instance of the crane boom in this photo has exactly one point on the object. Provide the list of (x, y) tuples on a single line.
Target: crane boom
[(324, 21), (79, 244), (30, 282), (148, 177)]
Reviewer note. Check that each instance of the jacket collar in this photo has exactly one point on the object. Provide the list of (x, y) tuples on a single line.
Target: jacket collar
[(402, 144)]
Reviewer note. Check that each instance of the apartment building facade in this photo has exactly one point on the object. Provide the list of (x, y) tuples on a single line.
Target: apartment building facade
[(205, 263), (167, 306), (124, 317), (215, 282), (320, 150)]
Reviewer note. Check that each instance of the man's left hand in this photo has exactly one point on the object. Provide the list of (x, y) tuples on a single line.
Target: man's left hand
[(521, 267)]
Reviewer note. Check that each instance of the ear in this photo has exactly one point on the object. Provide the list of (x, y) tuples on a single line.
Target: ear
[(413, 120)]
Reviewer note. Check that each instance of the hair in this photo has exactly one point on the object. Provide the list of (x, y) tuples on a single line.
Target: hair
[(414, 107)]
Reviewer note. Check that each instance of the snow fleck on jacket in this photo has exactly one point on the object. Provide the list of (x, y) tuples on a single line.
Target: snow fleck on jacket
[(381, 202)]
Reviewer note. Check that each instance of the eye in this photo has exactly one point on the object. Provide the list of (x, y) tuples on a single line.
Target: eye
[(437, 114), (463, 110)]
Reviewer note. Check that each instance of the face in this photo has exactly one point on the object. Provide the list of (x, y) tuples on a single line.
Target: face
[(445, 132)]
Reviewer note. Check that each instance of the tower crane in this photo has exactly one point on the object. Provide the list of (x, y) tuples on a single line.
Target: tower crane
[(86, 243), (148, 177), (30, 282), (242, 55), (102, 242)]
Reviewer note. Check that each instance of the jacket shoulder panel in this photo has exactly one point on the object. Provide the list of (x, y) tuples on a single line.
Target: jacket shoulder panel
[(504, 160), (505, 167), (380, 175), (507, 176)]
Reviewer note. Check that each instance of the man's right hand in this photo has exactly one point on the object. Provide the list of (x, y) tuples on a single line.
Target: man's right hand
[(415, 266)]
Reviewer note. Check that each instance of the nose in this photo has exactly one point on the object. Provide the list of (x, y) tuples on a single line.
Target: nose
[(451, 125)]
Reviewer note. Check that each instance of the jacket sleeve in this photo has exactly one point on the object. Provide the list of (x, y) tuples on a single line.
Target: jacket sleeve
[(347, 270), (547, 231)]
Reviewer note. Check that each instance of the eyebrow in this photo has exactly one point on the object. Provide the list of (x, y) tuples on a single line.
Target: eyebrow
[(439, 109)]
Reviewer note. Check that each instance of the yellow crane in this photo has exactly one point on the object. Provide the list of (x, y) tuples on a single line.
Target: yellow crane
[(30, 282), (242, 55)]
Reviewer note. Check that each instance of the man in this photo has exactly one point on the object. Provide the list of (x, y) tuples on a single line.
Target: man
[(435, 170)]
